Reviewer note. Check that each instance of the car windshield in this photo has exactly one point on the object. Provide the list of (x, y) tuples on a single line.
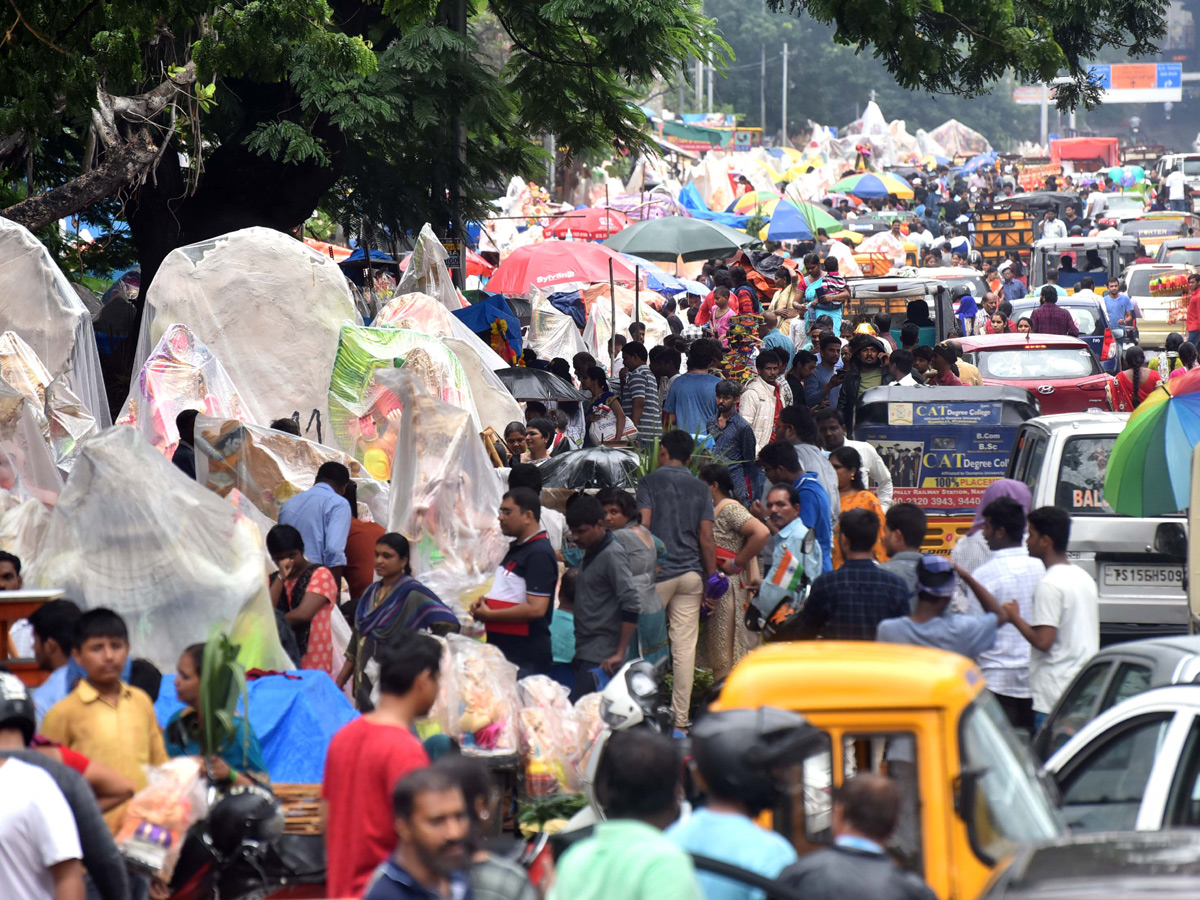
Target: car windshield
[(1138, 284), (1036, 361), (1123, 202), (1009, 806), (1187, 256), (1191, 167), (1087, 318), (1080, 488)]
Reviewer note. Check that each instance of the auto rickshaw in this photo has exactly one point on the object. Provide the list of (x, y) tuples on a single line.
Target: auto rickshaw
[(970, 791), (943, 446)]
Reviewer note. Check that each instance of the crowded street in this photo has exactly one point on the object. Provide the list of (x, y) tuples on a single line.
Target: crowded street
[(444, 457)]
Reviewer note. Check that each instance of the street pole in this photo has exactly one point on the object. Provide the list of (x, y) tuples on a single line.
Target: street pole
[(699, 83), (1045, 117), (762, 90), (786, 143), (612, 296), (710, 84)]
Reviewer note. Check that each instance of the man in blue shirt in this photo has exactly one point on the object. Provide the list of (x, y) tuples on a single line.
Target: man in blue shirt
[(732, 753), (53, 631), (692, 400), (322, 516), (1010, 288), (1118, 306), (774, 339), (781, 465), (432, 827)]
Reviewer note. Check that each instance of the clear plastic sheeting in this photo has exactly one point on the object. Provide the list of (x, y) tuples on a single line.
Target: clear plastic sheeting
[(427, 273), (266, 305), (599, 329), (23, 526), (132, 533), (180, 374), (251, 463), (552, 333), (27, 468), (364, 416), (445, 494), (494, 405), (477, 703), (63, 418), (39, 304)]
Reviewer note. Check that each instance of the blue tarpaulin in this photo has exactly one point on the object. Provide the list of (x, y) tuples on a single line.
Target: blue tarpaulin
[(689, 199), (569, 303), (480, 316), (657, 278), (294, 719), (359, 257)]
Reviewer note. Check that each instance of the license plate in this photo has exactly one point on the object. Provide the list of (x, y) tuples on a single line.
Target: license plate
[(1146, 576)]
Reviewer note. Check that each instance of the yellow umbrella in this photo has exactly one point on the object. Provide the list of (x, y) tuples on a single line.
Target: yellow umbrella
[(852, 236)]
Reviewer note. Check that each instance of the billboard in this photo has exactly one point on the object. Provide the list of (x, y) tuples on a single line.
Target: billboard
[(1124, 83)]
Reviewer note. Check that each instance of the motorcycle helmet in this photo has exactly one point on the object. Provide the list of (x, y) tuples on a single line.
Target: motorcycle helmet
[(959, 291), (740, 754), (16, 706), (246, 818)]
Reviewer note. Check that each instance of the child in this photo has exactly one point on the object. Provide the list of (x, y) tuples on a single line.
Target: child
[(104, 718), (562, 630), (723, 313)]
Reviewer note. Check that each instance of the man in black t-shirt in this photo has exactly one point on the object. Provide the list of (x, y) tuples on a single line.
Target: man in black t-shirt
[(517, 609)]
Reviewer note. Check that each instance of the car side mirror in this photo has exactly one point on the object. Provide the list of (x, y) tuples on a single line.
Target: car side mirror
[(1170, 539)]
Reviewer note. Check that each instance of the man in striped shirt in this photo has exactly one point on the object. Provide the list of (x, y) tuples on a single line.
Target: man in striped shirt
[(639, 396)]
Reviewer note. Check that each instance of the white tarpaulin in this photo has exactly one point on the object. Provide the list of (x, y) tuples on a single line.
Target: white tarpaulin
[(132, 533), (427, 272), (551, 333), (266, 305), (39, 304)]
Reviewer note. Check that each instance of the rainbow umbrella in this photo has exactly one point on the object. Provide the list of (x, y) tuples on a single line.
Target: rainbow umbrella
[(1149, 469), (872, 185), (748, 203), (798, 221)]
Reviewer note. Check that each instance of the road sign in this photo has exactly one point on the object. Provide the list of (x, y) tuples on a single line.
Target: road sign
[(1031, 95), (1139, 82)]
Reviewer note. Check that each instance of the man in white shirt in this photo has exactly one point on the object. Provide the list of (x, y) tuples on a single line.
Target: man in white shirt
[(1064, 626), (1052, 226), (831, 429), (40, 856), (1096, 204), (1011, 575), (762, 401), (1176, 185)]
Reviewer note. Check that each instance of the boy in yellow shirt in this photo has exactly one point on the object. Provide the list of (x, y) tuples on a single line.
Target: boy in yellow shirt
[(104, 718)]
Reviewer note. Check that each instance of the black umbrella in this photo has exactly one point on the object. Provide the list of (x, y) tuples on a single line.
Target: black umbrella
[(595, 467), (537, 384)]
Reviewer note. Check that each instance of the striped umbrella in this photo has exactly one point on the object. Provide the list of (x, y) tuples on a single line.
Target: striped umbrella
[(872, 185), (749, 203), (798, 222)]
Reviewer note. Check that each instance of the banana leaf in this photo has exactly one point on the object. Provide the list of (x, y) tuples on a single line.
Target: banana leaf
[(222, 686)]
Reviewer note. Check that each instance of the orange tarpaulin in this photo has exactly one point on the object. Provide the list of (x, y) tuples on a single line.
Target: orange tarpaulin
[(333, 251)]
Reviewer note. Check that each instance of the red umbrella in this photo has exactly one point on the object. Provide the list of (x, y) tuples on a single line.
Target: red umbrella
[(592, 224), (476, 264), (557, 262)]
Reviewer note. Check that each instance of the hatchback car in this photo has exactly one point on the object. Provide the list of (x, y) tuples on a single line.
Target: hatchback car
[(1156, 308), (1180, 251), (1060, 371), (1112, 676)]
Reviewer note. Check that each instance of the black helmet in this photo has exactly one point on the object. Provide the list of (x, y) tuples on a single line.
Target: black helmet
[(739, 752), (16, 706), (245, 816), (959, 291)]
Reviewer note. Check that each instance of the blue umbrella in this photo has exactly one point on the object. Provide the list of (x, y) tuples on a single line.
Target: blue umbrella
[(790, 222)]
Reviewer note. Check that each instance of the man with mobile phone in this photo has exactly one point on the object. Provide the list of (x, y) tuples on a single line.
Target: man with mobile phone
[(829, 372)]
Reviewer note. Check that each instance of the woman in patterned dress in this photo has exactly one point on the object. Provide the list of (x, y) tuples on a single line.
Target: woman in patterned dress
[(305, 593), (739, 538)]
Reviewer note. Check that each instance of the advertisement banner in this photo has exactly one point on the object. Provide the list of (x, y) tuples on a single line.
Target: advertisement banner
[(942, 456)]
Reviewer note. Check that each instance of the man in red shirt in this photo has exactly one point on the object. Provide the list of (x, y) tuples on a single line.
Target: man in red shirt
[(1192, 323), (366, 759)]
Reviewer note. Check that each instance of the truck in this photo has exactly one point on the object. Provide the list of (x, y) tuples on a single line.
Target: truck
[(1015, 222)]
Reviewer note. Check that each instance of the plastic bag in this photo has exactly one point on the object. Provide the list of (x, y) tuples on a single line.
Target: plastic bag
[(158, 817), (427, 273), (591, 726), (481, 704), (27, 467), (550, 742)]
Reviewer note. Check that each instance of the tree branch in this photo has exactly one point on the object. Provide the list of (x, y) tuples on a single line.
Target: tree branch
[(124, 166)]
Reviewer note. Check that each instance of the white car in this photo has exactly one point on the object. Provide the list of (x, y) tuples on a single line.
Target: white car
[(1137, 286), (1135, 767)]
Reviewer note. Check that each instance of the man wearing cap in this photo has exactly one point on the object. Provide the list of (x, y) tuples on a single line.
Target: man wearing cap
[(929, 626)]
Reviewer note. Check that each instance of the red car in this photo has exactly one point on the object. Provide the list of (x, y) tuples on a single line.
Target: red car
[(1060, 371)]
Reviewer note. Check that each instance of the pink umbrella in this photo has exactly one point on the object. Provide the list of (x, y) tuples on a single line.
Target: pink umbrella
[(553, 263), (592, 224)]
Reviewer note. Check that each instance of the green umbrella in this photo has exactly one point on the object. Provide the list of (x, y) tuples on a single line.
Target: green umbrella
[(674, 237)]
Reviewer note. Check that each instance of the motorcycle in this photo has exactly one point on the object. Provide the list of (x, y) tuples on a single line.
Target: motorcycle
[(1122, 339), (240, 852)]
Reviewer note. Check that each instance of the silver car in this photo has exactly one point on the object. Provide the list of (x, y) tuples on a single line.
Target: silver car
[(1138, 564)]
